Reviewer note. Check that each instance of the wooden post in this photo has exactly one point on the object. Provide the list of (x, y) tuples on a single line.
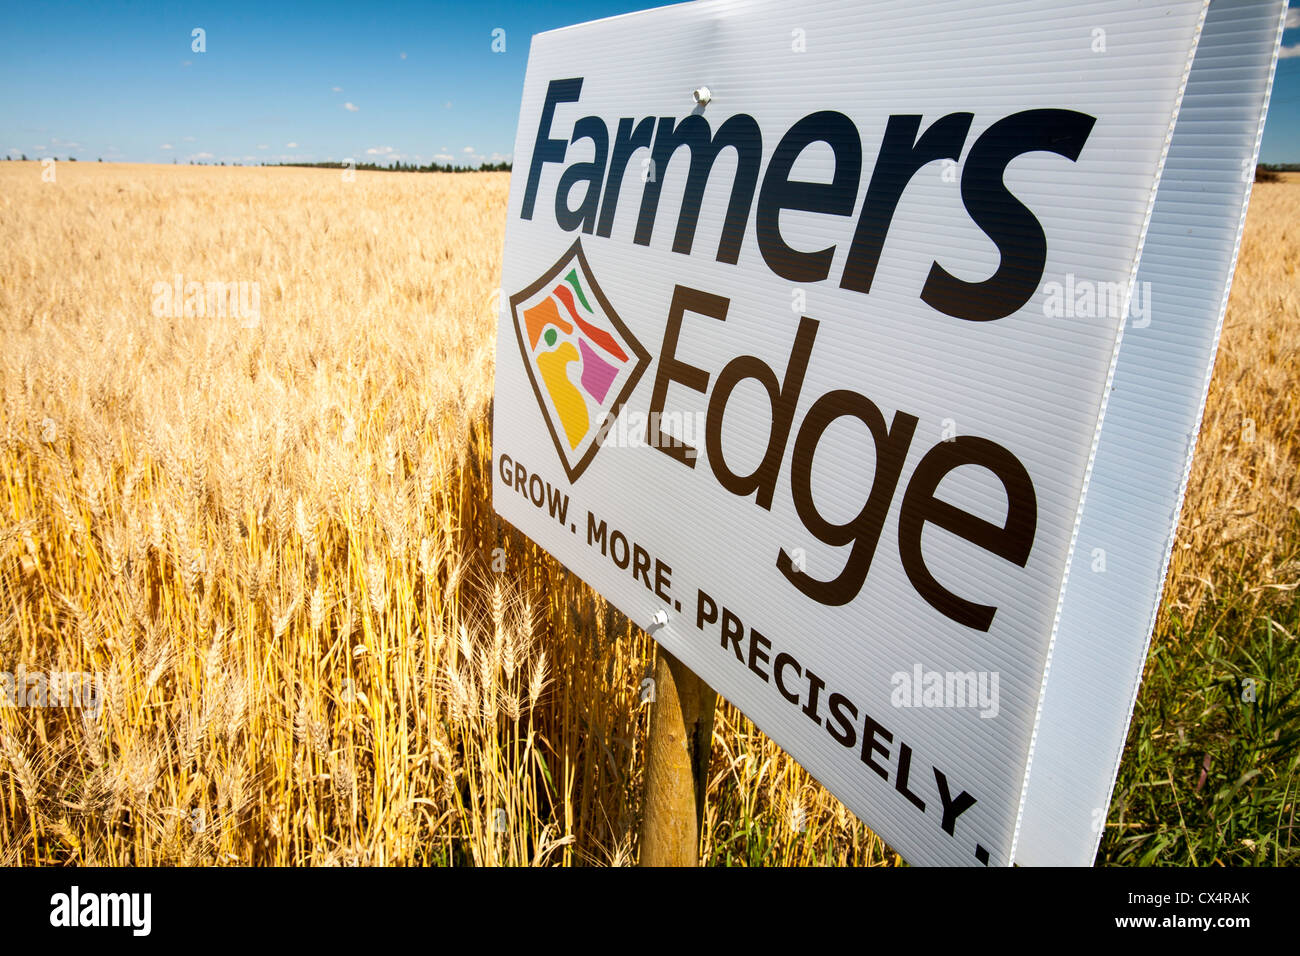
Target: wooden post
[(677, 765)]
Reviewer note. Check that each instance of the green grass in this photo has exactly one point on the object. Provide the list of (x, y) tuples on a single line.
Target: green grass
[(1211, 770)]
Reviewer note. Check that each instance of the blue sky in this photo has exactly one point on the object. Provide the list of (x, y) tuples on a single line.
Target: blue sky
[(372, 81)]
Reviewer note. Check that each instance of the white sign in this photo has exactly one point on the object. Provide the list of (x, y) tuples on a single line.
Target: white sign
[(813, 342)]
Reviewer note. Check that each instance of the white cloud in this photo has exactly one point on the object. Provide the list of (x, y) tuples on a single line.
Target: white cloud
[(166, 146), (403, 56), (201, 156), (1289, 51), (443, 148), (379, 151), (351, 107), (290, 145), (15, 150), (444, 158), (337, 89), (468, 149), (1293, 21)]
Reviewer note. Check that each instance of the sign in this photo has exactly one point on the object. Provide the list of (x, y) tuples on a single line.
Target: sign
[(858, 352)]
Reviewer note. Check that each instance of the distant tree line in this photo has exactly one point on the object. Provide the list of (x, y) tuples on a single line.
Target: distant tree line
[(400, 167), (1271, 172)]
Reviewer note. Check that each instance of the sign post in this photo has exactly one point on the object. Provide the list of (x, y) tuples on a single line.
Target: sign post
[(863, 348), (677, 765)]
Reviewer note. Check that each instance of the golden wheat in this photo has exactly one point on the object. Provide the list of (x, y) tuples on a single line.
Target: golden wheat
[(274, 541)]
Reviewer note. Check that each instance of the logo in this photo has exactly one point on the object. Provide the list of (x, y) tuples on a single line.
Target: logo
[(75, 908), (582, 360)]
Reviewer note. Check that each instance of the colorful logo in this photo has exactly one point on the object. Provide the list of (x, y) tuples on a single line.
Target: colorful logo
[(581, 358)]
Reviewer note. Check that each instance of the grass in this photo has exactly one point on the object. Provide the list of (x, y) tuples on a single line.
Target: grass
[(1211, 773), (274, 540)]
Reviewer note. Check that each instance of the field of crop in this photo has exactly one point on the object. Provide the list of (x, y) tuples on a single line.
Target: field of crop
[(270, 535)]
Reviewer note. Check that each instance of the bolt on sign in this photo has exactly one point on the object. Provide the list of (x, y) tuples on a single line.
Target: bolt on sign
[(858, 350)]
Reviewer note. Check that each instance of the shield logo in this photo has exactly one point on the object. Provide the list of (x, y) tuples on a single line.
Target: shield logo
[(582, 360)]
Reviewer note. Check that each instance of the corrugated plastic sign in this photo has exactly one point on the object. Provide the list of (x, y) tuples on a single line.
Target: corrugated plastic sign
[(858, 351)]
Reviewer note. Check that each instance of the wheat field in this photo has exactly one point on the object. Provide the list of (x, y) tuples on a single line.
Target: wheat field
[(273, 540)]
